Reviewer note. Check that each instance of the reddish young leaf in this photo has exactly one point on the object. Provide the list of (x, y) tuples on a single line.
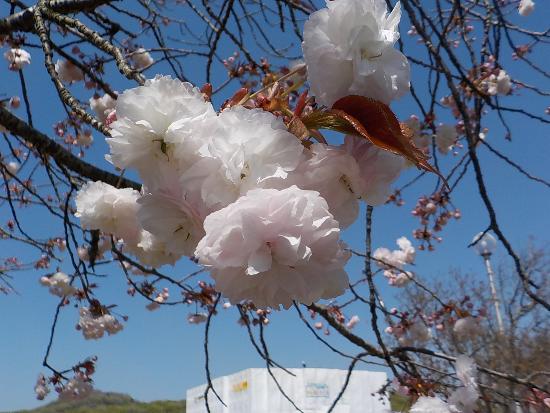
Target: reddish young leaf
[(206, 91), (376, 122), (236, 98)]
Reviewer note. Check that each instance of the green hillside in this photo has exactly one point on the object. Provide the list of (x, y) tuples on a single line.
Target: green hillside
[(100, 402)]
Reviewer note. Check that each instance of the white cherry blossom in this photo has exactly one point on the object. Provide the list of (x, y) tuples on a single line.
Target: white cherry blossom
[(109, 209), (247, 149), (13, 167), (335, 174), (395, 259), (498, 84), (378, 168), (94, 326), (152, 252), (102, 106), (151, 119), (159, 299), (77, 388), (348, 49), (68, 72), (526, 7), (445, 138), (273, 247), (467, 327), (142, 58), (17, 58), (41, 388), (59, 284), (352, 322), (430, 405), (173, 221)]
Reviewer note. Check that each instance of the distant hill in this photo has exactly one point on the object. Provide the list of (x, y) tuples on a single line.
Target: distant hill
[(101, 402)]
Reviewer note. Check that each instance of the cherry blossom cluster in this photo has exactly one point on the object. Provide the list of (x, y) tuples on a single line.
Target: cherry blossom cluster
[(392, 262), (95, 321), (237, 191), (433, 210), (461, 400), (410, 331), (59, 284), (76, 388)]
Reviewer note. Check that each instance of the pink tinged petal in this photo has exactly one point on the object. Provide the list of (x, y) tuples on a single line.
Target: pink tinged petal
[(259, 261)]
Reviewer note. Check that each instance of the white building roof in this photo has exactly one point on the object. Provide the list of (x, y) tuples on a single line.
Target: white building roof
[(312, 390)]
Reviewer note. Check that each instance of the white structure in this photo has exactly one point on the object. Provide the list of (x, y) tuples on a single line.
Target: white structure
[(312, 390)]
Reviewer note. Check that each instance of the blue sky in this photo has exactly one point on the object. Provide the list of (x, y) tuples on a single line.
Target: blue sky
[(159, 355)]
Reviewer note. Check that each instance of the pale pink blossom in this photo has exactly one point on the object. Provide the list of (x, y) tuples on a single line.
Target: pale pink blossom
[(398, 278), (68, 72), (17, 58), (417, 333), (59, 284), (378, 169), (430, 405), (85, 138), (102, 106), (161, 298), (79, 387), (13, 167), (150, 251), (352, 322), (41, 388), (498, 84), (94, 326), (172, 220), (467, 327), (526, 7), (396, 259), (152, 120), (246, 149), (142, 58), (274, 247), (348, 49), (109, 209), (197, 318), (445, 138), (82, 253), (335, 174)]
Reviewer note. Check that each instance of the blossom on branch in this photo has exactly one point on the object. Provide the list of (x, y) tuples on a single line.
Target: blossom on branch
[(378, 168), (142, 58), (17, 58), (348, 49), (461, 400), (273, 247), (173, 221), (335, 174), (41, 388), (77, 388), (445, 138), (94, 325), (151, 119), (102, 106), (247, 149), (59, 284), (526, 7), (68, 72), (109, 209), (498, 84)]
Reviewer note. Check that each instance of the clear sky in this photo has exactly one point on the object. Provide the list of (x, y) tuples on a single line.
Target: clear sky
[(159, 355)]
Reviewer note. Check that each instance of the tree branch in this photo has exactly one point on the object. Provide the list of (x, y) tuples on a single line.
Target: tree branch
[(48, 147), (24, 21)]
